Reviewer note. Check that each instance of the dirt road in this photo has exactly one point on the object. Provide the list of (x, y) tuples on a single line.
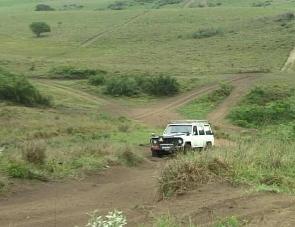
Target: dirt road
[(134, 190)]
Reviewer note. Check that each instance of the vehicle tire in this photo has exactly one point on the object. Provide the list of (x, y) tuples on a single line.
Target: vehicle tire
[(155, 154), (208, 146), (187, 147)]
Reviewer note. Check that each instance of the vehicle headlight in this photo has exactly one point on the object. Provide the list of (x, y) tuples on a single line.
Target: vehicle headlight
[(154, 141), (180, 141)]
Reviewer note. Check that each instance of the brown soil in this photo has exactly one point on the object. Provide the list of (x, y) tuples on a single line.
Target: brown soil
[(134, 190)]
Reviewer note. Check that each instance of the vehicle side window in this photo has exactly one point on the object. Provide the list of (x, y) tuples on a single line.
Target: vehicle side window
[(208, 130), (195, 130), (201, 130)]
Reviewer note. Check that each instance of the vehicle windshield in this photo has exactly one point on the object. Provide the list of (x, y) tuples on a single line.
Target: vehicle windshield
[(172, 129)]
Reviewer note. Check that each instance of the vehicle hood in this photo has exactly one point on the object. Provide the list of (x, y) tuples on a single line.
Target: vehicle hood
[(174, 135)]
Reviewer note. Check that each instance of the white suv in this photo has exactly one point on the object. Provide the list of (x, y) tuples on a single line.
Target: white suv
[(183, 135)]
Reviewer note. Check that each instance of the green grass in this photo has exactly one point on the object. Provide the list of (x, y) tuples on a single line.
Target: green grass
[(265, 106), (77, 135), (198, 109), (160, 40), (257, 163)]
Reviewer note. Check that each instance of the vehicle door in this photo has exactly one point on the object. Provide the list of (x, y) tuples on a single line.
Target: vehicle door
[(209, 134), (202, 136), (196, 139)]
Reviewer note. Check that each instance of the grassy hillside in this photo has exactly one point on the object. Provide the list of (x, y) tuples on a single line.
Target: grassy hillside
[(136, 41)]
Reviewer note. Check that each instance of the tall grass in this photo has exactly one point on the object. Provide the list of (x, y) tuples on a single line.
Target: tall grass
[(268, 163)]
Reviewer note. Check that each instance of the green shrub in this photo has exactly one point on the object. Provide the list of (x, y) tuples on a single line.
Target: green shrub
[(39, 27), (69, 72), (285, 17), (96, 80), (22, 171), (206, 33), (221, 93), (34, 152), (43, 7), (19, 90), (122, 86), (160, 85), (118, 5), (264, 106), (228, 222), (168, 2), (261, 4)]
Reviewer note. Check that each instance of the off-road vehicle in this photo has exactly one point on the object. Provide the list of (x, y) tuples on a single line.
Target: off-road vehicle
[(183, 135)]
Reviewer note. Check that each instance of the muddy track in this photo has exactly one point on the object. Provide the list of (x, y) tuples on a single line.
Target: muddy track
[(134, 190), (163, 111)]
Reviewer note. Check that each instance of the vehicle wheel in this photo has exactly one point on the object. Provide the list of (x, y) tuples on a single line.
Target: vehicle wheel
[(155, 154), (208, 146), (187, 147)]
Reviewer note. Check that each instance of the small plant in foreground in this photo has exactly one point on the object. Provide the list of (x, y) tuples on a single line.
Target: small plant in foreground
[(34, 152), (228, 222), (112, 219)]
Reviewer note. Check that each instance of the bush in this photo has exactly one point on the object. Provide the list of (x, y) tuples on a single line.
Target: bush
[(160, 86), (221, 93), (23, 171), (34, 152), (263, 106), (128, 157), (19, 90), (285, 17), (96, 80), (43, 7), (154, 85), (168, 2), (261, 4), (206, 33), (117, 6), (39, 27), (123, 86), (69, 72), (188, 172)]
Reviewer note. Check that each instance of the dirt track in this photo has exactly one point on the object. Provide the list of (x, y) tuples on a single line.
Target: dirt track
[(134, 190)]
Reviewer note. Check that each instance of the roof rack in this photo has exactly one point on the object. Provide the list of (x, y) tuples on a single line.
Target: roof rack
[(188, 121)]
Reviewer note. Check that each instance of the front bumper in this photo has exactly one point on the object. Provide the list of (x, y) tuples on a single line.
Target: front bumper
[(165, 148)]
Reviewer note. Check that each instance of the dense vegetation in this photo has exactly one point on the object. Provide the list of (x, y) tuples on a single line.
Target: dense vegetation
[(151, 85), (68, 72), (18, 89), (265, 105), (263, 164)]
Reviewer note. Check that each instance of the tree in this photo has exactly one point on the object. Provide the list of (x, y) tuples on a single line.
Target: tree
[(39, 27)]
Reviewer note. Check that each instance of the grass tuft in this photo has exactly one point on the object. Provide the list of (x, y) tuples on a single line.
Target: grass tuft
[(34, 152)]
